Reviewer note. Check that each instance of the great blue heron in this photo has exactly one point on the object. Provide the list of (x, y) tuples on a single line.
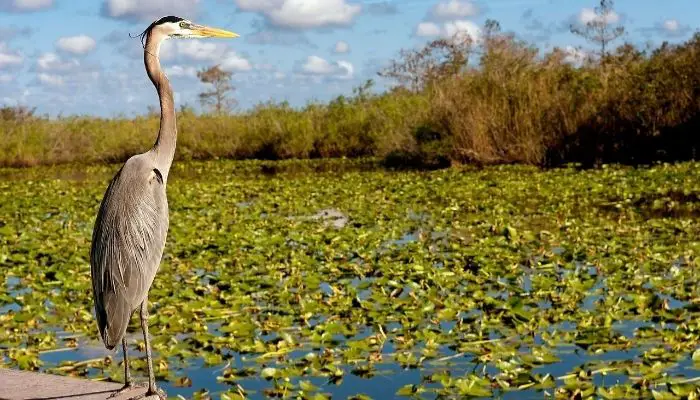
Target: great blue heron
[(132, 223)]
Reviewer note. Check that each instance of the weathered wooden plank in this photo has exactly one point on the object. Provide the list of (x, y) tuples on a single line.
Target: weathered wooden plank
[(22, 385)]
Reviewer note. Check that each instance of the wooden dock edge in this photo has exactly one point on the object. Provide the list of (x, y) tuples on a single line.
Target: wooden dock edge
[(23, 385)]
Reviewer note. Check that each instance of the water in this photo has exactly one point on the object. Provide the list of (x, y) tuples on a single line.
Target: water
[(410, 253), (388, 377)]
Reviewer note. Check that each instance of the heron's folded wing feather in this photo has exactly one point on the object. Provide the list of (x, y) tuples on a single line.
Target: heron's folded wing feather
[(128, 241)]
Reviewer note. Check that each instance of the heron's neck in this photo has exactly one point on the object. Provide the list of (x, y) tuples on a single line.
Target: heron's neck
[(164, 148)]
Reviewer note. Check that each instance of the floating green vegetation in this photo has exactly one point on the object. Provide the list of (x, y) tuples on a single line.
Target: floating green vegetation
[(293, 280)]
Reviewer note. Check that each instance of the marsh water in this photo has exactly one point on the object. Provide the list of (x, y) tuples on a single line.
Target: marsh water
[(342, 279)]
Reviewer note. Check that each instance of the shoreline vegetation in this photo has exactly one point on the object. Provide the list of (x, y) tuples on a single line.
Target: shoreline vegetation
[(501, 101)]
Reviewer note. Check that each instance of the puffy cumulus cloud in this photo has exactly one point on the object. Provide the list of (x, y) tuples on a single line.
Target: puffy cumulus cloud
[(50, 79), (427, 29), (574, 55), (671, 25), (81, 44), (341, 47), (203, 51), (236, 63), (65, 75), (8, 57), (673, 28), (303, 14), (461, 27), (149, 10), (317, 66), (589, 15), (181, 71), (453, 9), (54, 63), (25, 5), (196, 50), (448, 19), (449, 29)]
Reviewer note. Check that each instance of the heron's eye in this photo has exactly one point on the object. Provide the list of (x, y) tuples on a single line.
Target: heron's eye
[(184, 25)]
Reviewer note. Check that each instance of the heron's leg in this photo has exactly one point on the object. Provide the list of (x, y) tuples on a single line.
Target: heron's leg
[(127, 372), (128, 383), (152, 390)]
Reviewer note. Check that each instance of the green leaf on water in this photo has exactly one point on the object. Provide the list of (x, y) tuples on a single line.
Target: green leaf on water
[(268, 373)]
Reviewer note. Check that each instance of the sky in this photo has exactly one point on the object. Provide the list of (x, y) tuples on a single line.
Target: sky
[(75, 57)]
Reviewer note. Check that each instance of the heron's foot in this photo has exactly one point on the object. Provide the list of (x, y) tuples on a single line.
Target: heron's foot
[(129, 386), (157, 392)]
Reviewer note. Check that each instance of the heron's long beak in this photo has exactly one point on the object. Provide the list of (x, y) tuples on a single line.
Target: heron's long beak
[(213, 32)]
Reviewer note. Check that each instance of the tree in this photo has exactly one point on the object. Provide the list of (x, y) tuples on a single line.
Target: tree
[(601, 29), (416, 69), (218, 98)]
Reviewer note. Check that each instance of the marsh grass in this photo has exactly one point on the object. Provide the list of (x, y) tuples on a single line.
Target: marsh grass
[(503, 101)]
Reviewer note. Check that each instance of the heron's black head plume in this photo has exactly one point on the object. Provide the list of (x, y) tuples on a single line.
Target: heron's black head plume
[(144, 35)]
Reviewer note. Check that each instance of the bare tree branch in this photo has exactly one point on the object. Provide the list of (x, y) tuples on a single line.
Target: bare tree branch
[(599, 30)]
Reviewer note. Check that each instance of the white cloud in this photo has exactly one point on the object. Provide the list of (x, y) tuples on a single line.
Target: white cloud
[(448, 19), (6, 78), (180, 71), (205, 51), (462, 27), (234, 62), (52, 62), (315, 65), (342, 47), (50, 79), (81, 44), (449, 29), (303, 14), (9, 58), (575, 55), (426, 29), (672, 25), (671, 28), (454, 9), (588, 15), (25, 5), (149, 10), (199, 50), (347, 67)]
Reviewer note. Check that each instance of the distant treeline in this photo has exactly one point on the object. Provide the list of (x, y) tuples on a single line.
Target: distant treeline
[(501, 101)]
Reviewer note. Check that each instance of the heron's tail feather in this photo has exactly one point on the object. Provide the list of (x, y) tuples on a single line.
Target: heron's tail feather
[(113, 319)]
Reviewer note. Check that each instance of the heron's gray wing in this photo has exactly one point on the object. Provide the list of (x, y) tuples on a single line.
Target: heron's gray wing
[(127, 244)]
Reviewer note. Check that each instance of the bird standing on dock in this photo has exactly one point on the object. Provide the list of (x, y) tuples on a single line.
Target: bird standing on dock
[(132, 223)]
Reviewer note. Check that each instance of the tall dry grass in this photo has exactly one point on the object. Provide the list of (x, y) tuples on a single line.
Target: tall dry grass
[(517, 106)]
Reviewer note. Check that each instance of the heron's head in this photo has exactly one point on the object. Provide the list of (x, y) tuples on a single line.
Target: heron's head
[(180, 28)]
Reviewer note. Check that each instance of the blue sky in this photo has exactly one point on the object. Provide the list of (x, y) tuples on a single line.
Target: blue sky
[(68, 57)]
